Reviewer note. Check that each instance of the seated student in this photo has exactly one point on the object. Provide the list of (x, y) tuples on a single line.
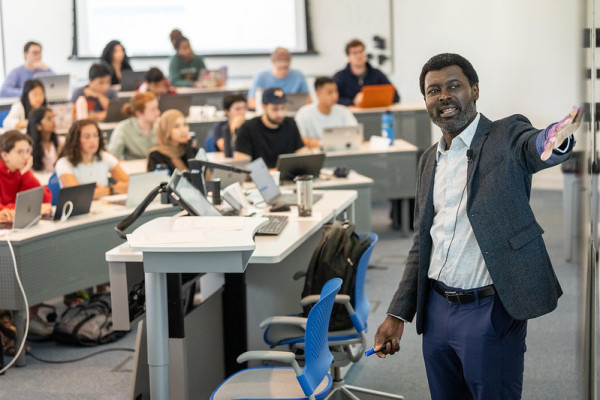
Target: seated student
[(156, 83), (225, 132), (33, 96), (13, 84), (97, 92), (133, 137), (280, 75), (46, 144), (114, 54), (84, 160), (173, 149), (184, 66), (312, 118), (269, 135), (15, 156), (358, 73)]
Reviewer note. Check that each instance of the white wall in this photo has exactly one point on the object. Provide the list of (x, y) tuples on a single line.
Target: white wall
[(527, 53)]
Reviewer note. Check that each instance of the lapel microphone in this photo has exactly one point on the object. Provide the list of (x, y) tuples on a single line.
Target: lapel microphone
[(470, 155)]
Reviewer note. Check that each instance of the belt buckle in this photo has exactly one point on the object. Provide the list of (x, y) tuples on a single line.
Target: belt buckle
[(452, 295)]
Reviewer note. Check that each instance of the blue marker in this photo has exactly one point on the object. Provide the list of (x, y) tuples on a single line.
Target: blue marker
[(371, 351)]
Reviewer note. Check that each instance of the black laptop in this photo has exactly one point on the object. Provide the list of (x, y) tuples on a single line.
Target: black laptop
[(114, 111), (181, 102), (131, 80), (80, 196), (294, 164)]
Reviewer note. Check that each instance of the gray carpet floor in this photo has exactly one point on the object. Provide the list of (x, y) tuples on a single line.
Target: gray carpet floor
[(551, 370)]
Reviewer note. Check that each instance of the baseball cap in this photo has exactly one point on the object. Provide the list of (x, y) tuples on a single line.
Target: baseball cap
[(274, 96)]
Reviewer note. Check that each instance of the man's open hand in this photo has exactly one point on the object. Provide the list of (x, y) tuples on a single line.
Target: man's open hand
[(562, 130)]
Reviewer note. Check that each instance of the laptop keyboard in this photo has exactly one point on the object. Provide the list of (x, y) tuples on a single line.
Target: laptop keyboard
[(274, 226)]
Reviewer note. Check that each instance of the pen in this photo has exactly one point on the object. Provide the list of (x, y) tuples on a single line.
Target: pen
[(371, 351)]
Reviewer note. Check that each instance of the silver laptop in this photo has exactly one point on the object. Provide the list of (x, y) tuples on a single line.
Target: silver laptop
[(28, 209), (295, 101), (340, 138), (140, 185), (56, 87), (114, 112), (229, 177), (131, 80)]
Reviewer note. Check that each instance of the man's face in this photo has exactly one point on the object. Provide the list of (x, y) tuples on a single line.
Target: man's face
[(237, 109), (100, 85), (281, 69), (328, 94), (275, 113), (33, 55), (450, 99), (357, 56)]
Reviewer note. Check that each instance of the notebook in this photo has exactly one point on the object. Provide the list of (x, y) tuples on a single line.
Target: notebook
[(28, 208), (114, 112), (295, 164), (131, 80), (181, 102), (80, 196), (377, 96), (56, 87), (342, 138)]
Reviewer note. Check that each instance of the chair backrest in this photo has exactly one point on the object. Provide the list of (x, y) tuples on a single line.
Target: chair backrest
[(318, 357), (210, 145), (361, 304), (54, 187)]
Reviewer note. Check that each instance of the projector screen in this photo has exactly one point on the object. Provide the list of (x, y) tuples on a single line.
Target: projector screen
[(214, 27)]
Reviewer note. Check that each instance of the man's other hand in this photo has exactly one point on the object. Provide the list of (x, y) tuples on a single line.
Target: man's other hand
[(390, 331)]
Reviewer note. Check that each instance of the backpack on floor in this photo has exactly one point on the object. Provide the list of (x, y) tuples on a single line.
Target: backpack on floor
[(336, 256), (87, 324)]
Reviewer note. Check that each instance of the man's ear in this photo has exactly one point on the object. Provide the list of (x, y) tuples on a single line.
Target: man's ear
[(475, 89)]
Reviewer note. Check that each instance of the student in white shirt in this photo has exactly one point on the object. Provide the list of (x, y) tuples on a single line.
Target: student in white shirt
[(33, 96), (84, 160), (313, 118)]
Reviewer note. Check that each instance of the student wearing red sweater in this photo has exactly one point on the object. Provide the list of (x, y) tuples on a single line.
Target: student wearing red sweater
[(15, 156)]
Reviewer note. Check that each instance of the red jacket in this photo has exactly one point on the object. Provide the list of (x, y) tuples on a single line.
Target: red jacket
[(13, 182)]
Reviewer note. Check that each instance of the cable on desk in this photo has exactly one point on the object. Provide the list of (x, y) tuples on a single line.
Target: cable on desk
[(80, 358), (24, 335)]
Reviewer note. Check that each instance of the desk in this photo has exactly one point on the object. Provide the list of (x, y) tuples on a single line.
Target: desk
[(54, 259), (269, 287)]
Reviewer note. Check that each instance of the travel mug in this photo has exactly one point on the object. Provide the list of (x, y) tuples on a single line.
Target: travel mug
[(304, 191), (214, 187)]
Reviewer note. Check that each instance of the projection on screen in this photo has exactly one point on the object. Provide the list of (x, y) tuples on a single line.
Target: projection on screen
[(213, 27)]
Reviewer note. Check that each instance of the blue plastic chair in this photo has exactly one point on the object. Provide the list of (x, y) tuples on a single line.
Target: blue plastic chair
[(312, 382), (54, 187), (3, 115), (210, 144)]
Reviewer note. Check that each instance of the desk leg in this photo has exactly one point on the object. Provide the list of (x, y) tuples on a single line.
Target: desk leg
[(19, 317), (157, 334)]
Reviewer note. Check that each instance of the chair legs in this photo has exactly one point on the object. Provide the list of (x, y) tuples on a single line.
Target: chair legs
[(341, 391)]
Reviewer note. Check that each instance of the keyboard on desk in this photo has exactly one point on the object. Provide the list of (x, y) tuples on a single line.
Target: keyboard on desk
[(274, 226)]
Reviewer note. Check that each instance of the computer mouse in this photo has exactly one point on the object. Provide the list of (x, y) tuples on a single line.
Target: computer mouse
[(280, 207)]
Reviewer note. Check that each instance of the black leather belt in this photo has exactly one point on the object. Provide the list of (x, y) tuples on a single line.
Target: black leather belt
[(464, 297)]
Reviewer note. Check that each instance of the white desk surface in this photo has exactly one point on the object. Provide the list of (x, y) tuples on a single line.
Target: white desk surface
[(272, 249)]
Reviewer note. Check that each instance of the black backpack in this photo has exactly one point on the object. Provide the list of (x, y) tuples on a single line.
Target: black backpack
[(87, 324), (336, 256)]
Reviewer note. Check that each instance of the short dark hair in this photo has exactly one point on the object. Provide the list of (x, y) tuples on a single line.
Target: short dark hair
[(444, 60), (99, 70), (10, 138), (322, 81), (354, 43), (154, 75), (29, 44), (233, 98), (28, 86)]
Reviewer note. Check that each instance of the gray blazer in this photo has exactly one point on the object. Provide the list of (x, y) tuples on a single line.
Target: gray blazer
[(499, 184)]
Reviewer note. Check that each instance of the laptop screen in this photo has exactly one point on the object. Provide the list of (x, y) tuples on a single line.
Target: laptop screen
[(191, 196), (263, 180)]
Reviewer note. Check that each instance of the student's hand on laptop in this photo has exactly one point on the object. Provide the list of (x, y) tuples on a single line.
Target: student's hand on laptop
[(6, 215), (46, 209), (358, 99)]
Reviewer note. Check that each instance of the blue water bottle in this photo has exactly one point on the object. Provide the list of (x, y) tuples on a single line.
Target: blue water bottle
[(387, 126)]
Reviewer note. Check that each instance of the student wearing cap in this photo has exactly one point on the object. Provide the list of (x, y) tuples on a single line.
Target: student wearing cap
[(279, 76), (358, 73), (269, 135), (313, 118)]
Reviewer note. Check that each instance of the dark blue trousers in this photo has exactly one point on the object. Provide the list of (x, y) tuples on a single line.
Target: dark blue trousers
[(473, 350)]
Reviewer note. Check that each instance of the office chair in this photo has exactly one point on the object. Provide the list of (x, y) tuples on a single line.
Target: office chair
[(54, 187), (210, 144), (347, 345), (312, 382)]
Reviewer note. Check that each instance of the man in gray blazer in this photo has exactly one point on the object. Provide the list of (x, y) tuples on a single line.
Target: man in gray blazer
[(478, 267)]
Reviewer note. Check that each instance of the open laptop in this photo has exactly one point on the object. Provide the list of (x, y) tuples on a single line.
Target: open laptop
[(267, 187), (181, 102), (80, 196), (131, 80), (28, 209), (229, 177), (295, 164), (338, 138), (295, 101), (114, 112), (377, 96), (139, 186), (56, 87)]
